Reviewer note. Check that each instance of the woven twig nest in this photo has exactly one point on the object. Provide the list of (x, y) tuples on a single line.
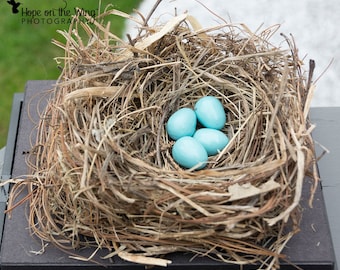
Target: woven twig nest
[(104, 173)]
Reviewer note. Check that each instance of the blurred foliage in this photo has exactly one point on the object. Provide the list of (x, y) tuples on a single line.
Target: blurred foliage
[(26, 51)]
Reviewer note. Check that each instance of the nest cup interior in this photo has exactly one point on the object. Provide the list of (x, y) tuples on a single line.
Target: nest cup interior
[(105, 175)]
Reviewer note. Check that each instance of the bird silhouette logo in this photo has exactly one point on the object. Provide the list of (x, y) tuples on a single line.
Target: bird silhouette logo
[(14, 5)]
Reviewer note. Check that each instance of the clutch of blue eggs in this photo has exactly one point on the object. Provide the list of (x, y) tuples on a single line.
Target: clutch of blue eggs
[(194, 145)]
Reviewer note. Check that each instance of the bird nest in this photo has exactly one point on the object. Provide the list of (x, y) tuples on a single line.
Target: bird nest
[(104, 175)]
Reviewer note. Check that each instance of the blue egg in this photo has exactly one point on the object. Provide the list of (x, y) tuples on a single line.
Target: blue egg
[(182, 123), (213, 140), (189, 153), (210, 112)]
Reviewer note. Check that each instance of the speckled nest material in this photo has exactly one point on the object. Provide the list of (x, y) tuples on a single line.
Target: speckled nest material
[(104, 175)]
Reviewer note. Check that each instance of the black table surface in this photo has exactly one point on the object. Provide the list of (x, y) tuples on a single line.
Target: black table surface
[(312, 248)]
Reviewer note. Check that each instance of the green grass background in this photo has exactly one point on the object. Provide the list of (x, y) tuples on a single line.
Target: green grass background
[(26, 51)]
